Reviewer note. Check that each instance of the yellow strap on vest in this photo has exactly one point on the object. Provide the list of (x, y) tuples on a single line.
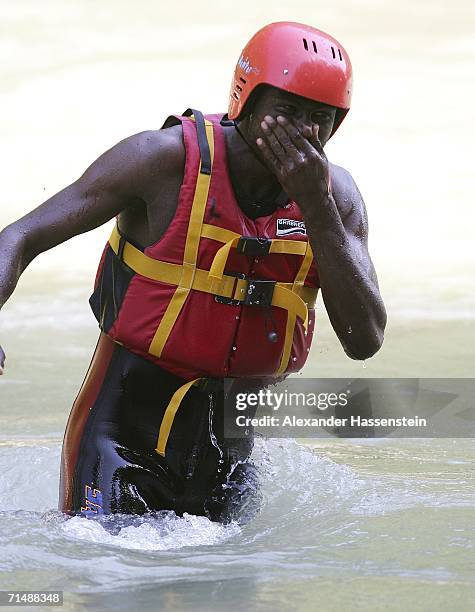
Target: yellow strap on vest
[(191, 253), (144, 265), (169, 416), (283, 297), (304, 267), (295, 306), (220, 259), (289, 336), (220, 234), (288, 247), (290, 325), (229, 286), (168, 321)]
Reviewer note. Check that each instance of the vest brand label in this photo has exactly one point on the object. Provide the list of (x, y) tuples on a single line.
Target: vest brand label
[(290, 226)]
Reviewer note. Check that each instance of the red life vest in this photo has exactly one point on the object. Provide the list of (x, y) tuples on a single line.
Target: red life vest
[(203, 300)]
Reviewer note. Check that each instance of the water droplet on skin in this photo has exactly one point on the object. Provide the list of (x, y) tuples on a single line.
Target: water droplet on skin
[(349, 329)]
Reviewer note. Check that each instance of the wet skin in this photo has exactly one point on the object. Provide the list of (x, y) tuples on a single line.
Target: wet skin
[(139, 179)]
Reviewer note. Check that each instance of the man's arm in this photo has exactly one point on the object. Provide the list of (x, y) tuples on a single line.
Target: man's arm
[(117, 179), (338, 231), (337, 226)]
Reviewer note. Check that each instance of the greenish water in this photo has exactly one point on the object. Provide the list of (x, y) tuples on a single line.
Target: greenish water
[(346, 523)]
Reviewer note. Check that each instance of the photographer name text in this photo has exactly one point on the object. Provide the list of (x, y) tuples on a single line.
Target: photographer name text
[(331, 421)]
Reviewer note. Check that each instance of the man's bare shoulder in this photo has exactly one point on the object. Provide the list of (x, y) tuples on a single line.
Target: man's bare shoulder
[(139, 163), (342, 181), (164, 148), (131, 164)]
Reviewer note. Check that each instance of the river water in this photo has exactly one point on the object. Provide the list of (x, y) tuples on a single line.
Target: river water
[(345, 524)]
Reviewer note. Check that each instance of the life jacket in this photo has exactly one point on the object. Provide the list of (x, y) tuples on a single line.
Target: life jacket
[(220, 294)]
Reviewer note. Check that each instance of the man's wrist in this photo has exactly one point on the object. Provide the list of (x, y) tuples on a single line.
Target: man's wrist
[(319, 207)]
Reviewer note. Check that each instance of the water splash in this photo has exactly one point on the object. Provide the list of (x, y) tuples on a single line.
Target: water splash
[(158, 531)]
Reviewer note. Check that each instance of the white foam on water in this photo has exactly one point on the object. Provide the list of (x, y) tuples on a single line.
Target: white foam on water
[(167, 531)]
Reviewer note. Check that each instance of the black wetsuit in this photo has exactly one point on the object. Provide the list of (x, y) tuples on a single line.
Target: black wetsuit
[(115, 468)]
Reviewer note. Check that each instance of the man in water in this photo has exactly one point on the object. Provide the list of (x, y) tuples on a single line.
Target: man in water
[(227, 226)]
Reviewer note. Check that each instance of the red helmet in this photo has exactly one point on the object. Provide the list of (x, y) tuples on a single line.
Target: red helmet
[(296, 58)]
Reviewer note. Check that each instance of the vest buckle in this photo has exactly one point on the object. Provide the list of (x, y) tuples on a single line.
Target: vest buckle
[(256, 293), (252, 246), (259, 293), (230, 301)]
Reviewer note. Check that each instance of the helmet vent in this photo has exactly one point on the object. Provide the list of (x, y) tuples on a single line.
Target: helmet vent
[(333, 53), (236, 96), (305, 44), (238, 87), (242, 80), (339, 53)]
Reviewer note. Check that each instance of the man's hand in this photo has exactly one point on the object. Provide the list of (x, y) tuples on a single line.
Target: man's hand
[(297, 160)]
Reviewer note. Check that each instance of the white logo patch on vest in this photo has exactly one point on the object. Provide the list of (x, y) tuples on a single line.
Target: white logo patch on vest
[(290, 226)]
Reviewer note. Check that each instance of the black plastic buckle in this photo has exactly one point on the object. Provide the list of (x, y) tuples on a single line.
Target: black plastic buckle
[(252, 246), (225, 300), (259, 293)]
